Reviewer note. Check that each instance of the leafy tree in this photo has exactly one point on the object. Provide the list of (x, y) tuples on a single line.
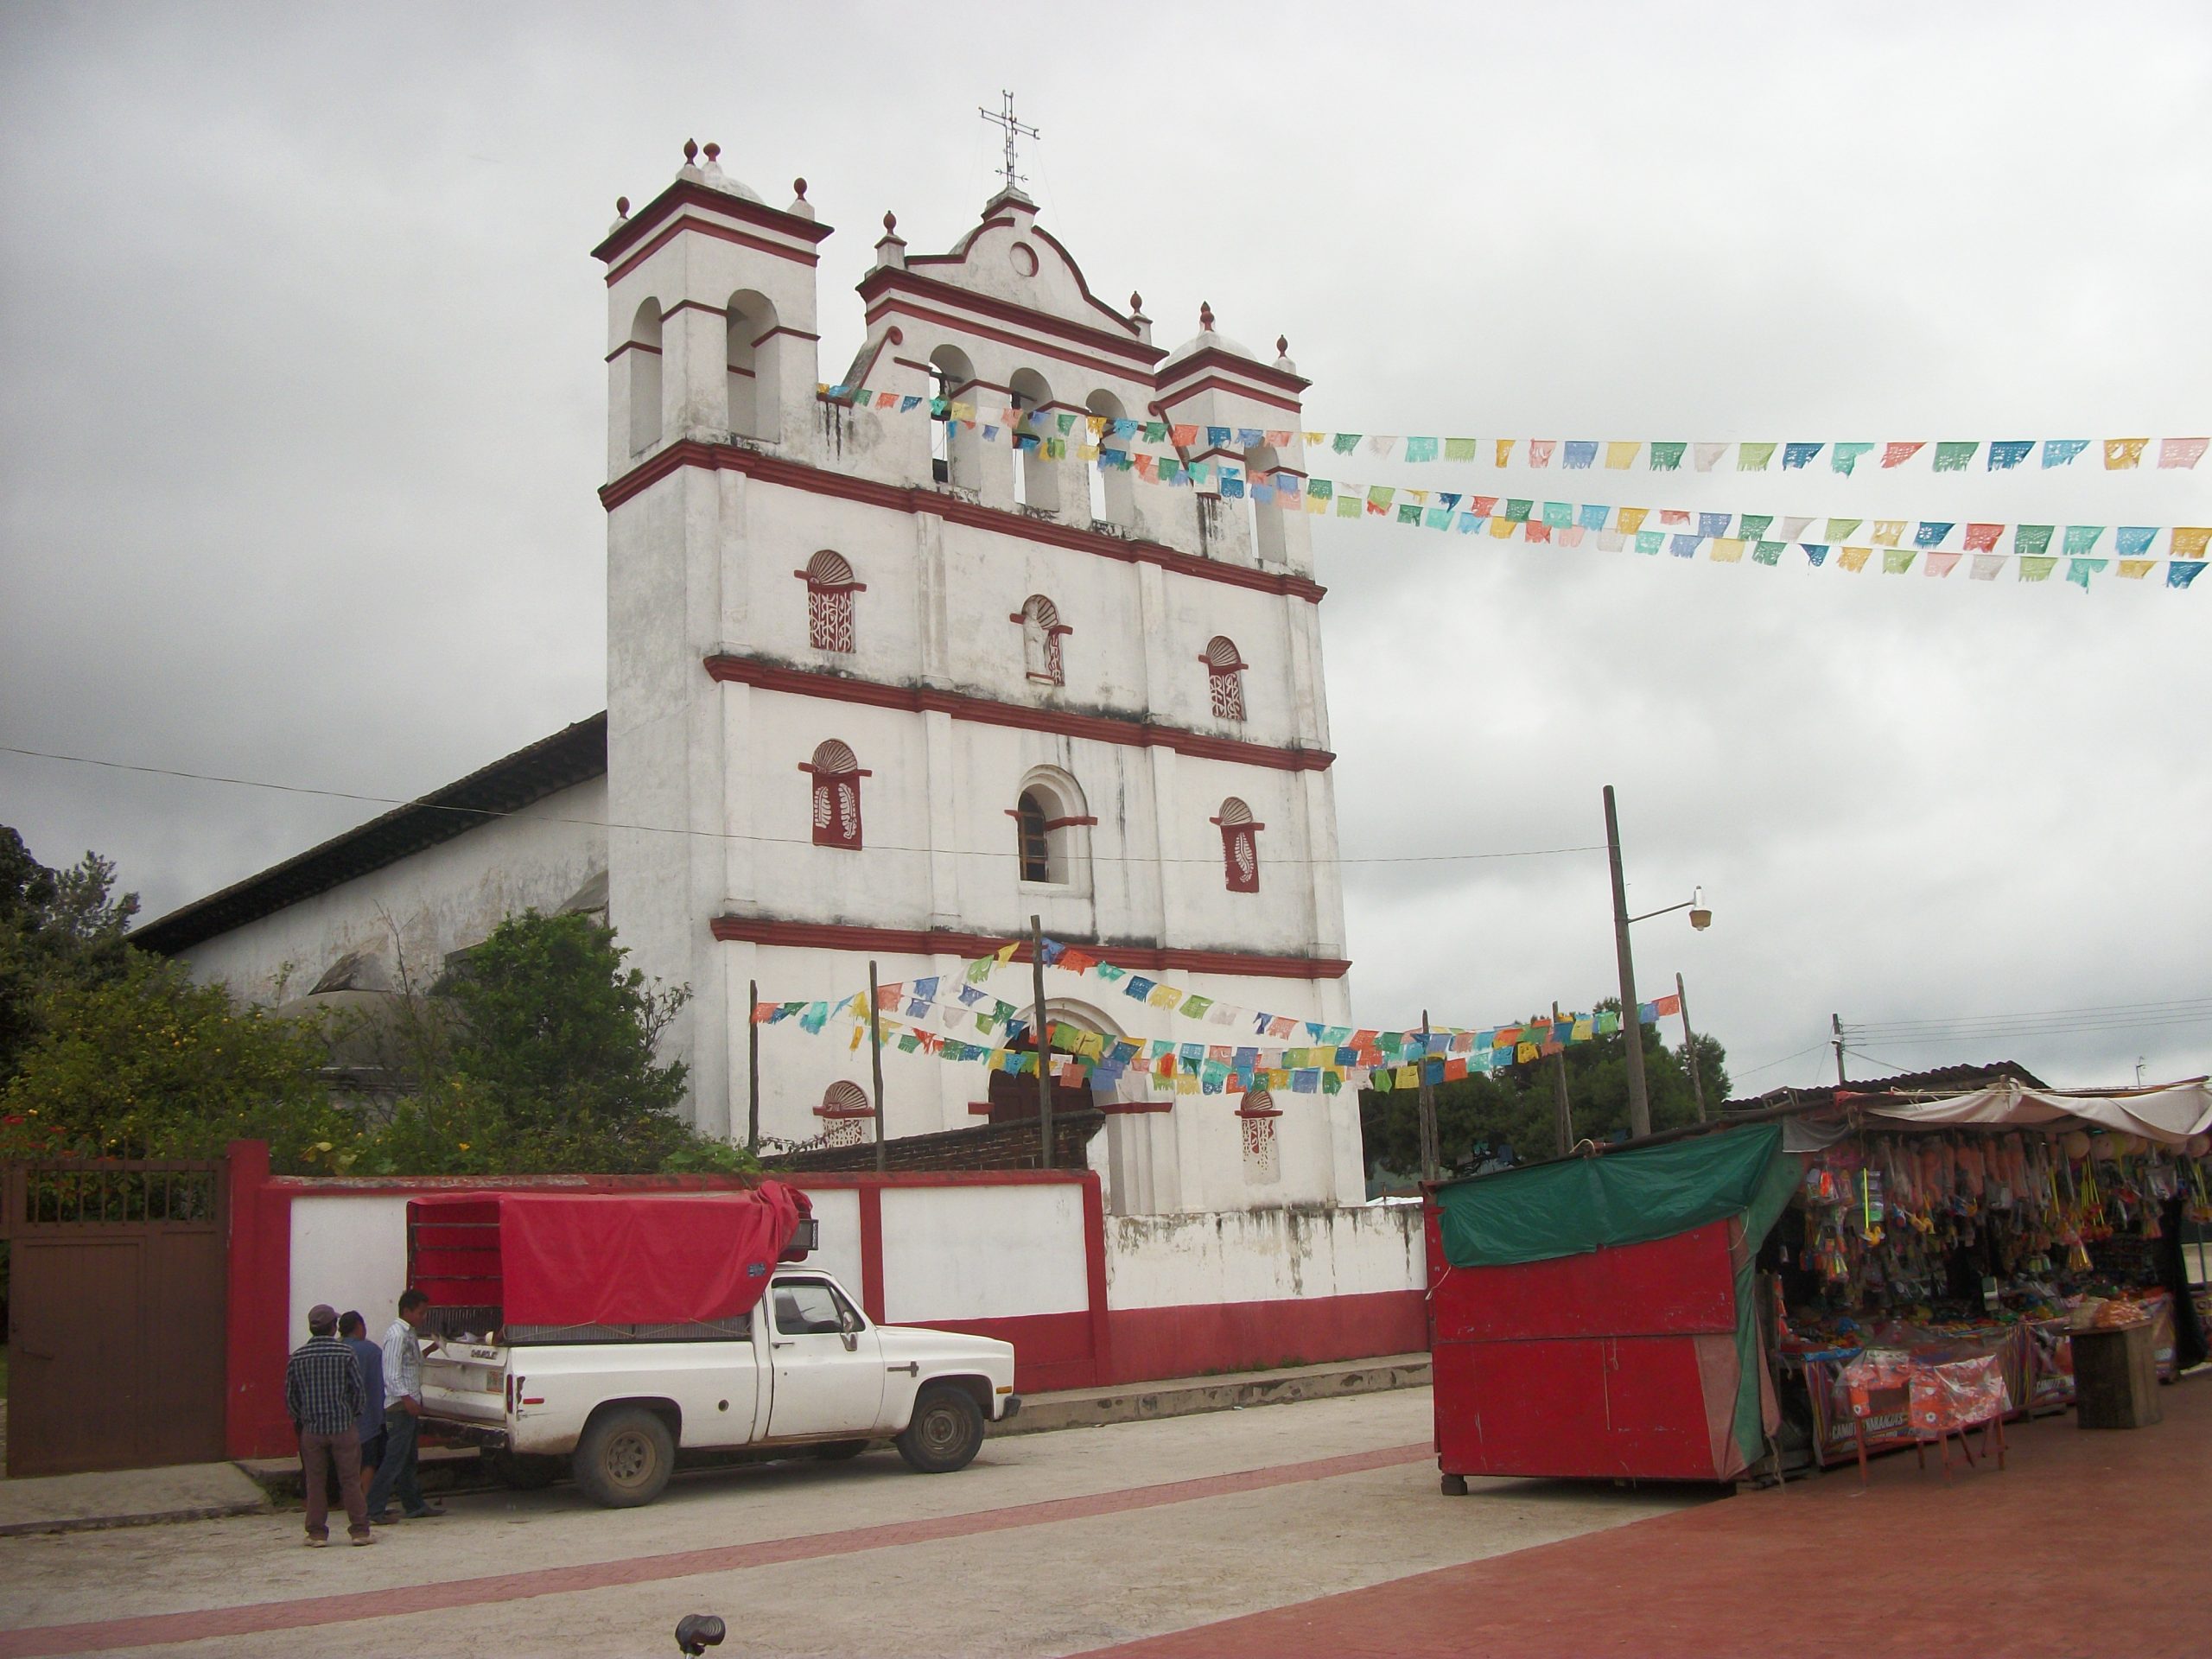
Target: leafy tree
[(1517, 1108), (58, 929), (544, 1060), (148, 1064)]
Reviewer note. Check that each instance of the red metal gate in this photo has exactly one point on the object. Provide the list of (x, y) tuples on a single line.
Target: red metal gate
[(115, 1327)]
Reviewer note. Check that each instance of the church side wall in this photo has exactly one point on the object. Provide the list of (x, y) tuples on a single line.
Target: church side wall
[(441, 900)]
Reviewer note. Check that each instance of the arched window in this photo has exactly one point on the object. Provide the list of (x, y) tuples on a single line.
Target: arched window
[(1240, 846), (1041, 629), (845, 1114), (755, 387), (829, 590), (1224, 678), (1113, 484), (644, 354), (1257, 1118), (1051, 828), (836, 801), (1260, 464), (954, 457), (1036, 476)]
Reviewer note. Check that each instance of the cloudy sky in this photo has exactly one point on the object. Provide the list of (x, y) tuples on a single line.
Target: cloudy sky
[(304, 411)]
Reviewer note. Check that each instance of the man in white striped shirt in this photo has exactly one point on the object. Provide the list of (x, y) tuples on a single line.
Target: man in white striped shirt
[(403, 1413)]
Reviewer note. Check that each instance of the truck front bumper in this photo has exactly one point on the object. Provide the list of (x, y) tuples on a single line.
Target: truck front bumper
[(1009, 1408)]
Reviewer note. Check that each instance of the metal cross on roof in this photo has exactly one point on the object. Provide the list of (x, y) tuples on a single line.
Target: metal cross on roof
[(1003, 117)]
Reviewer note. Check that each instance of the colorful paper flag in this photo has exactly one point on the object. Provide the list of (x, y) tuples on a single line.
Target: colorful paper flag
[(2005, 453), (1941, 564), (1666, 457), (2078, 571), (1797, 456), (1844, 456), (2120, 454), (1853, 558), (1754, 457), (2134, 540), (1953, 457), (1896, 560), (1540, 451), (1814, 551), (1728, 549), (1982, 538), (2060, 452), (1706, 455), (2189, 540), (1986, 566), (2181, 572), (1580, 452), (2082, 538), (2036, 570), (1620, 456), (1931, 533), (1895, 454), (2182, 452)]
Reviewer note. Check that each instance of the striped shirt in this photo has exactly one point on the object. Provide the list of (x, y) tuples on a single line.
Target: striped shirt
[(323, 1387), (403, 1364)]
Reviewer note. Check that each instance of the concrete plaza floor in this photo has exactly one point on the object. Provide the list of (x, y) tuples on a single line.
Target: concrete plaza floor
[(1315, 1527)]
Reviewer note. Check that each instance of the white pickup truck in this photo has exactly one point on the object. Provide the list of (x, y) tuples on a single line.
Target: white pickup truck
[(804, 1369)]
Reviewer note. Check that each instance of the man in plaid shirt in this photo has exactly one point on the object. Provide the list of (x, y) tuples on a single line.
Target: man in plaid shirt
[(323, 1395)]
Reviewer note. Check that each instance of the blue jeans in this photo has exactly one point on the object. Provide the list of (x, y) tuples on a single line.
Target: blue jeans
[(396, 1472)]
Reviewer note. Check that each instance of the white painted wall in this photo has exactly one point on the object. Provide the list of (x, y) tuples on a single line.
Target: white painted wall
[(443, 899), (982, 1252), (350, 1250), (1257, 1256), (839, 1210)]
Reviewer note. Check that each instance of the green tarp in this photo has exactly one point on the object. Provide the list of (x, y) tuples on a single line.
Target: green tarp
[(1631, 1197), (1577, 1204)]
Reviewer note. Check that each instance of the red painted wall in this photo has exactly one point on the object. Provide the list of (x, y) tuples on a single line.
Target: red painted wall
[(1093, 1346)]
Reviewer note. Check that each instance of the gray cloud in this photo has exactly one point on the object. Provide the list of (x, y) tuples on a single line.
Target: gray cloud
[(306, 398)]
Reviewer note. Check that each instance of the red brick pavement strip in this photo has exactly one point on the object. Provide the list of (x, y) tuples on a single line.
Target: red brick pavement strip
[(249, 1618), (2088, 1542)]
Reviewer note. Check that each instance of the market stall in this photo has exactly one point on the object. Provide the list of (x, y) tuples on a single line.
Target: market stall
[(1989, 1224), (1859, 1273)]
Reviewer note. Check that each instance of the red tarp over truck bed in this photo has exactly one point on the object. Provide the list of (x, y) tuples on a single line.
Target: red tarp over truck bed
[(602, 1258)]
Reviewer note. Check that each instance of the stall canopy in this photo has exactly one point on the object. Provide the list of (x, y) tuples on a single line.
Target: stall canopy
[(566, 1259), (1631, 1197), (1638, 1196), (2172, 1114)]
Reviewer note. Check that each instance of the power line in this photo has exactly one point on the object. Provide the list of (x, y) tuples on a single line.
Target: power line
[(484, 812), (1953, 1020), (1752, 1071)]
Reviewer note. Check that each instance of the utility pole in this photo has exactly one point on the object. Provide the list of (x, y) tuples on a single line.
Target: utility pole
[(1689, 1047), (1835, 1024), (875, 1059), (1639, 1103), (1038, 1040), (752, 1066), (1431, 1159), (1562, 1113)]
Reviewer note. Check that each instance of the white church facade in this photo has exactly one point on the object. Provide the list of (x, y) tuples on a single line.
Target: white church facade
[(880, 689)]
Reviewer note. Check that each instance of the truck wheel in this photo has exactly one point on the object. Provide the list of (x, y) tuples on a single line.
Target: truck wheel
[(521, 1471), (838, 1451), (946, 1431), (624, 1457)]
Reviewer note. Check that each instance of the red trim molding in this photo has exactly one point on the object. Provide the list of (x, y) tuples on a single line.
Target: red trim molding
[(1102, 728), (685, 193), (900, 306), (774, 469), (1215, 383), (885, 279), (720, 233), (924, 942), (1213, 357)]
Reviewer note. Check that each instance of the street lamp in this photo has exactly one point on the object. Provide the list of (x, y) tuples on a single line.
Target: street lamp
[(1639, 1100)]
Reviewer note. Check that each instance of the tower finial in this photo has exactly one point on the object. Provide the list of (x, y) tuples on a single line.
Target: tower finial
[(1003, 117), (714, 151), (1282, 344), (1206, 317), (690, 152), (798, 188), (621, 207), (891, 223)]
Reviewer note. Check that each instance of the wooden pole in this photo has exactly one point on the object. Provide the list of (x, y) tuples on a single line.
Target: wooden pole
[(752, 1067), (1562, 1113), (1431, 1157), (1639, 1103), (875, 1060), (1835, 1024), (1689, 1047), (1038, 1040)]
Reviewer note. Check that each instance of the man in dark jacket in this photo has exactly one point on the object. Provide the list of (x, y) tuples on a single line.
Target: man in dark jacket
[(355, 1331), (324, 1398)]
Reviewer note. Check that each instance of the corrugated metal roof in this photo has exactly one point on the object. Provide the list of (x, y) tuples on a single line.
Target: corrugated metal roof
[(571, 756)]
